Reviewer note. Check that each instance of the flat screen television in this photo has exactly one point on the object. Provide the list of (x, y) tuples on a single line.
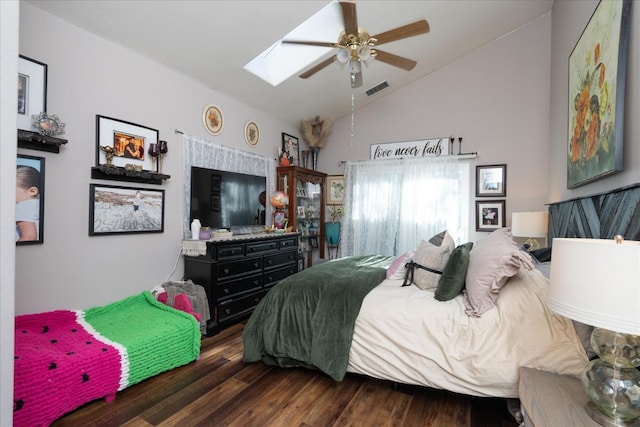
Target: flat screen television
[(223, 199)]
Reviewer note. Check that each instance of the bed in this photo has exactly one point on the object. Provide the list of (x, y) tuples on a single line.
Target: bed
[(66, 358), (470, 342)]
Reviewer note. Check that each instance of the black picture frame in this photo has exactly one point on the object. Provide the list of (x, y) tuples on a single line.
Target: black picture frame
[(491, 180), (112, 210), (291, 145), (119, 134), (596, 98), (30, 170), (490, 215), (32, 90)]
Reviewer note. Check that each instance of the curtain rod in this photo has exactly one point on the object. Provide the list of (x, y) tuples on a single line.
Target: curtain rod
[(463, 156)]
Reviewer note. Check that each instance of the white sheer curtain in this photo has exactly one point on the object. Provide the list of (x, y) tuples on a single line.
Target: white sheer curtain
[(391, 205), (206, 154)]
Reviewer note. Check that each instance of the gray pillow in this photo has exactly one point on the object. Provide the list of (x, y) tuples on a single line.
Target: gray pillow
[(453, 276), (434, 257)]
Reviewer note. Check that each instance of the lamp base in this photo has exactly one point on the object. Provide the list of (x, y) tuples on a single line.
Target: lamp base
[(597, 416), (531, 244)]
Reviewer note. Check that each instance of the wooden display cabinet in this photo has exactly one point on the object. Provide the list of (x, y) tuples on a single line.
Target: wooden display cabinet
[(305, 212)]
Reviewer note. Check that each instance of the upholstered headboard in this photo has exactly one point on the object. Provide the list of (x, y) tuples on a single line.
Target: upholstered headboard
[(600, 216)]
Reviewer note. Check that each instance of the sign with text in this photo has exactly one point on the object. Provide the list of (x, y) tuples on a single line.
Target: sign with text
[(434, 147)]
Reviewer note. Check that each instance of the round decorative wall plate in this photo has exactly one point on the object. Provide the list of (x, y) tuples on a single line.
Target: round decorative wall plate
[(213, 120), (251, 133)]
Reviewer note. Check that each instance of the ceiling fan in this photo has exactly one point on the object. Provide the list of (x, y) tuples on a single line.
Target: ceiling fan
[(356, 46)]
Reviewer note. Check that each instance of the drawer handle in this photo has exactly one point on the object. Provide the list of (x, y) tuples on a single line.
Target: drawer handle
[(256, 265), (226, 291), (256, 283), (270, 262), (270, 278), (225, 271), (227, 311), (257, 299)]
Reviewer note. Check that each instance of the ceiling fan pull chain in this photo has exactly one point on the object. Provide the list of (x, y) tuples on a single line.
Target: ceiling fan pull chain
[(353, 109)]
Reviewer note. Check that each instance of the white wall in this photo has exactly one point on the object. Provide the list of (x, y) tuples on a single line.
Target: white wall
[(88, 76), (569, 20), (496, 98), (8, 86)]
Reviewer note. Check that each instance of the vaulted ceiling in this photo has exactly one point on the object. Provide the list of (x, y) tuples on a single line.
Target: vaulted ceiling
[(211, 41)]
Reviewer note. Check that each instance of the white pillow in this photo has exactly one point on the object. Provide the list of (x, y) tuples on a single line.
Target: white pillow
[(433, 257)]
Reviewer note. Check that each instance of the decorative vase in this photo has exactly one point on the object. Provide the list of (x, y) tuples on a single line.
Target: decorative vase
[(332, 233), (305, 159), (314, 157)]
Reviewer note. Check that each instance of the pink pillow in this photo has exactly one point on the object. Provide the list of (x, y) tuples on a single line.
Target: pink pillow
[(492, 261), (397, 269)]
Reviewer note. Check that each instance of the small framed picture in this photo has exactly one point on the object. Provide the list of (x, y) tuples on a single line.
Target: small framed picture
[(29, 199), (128, 142), (212, 119), (300, 211), (335, 189), (490, 215), (125, 210), (491, 181), (32, 90), (290, 145), (251, 134)]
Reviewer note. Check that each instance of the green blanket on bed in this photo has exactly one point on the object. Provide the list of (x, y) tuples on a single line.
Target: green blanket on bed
[(308, 318)]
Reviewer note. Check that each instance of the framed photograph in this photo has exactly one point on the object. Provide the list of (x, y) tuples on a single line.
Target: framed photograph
[(491, 181), (300, 212), (251, 134), (490, 215), (29, 199), (125, 210), (313, 242), (597, 70), (127, 141), (290, 145), (335, 189), (213, 120), (32, 90)]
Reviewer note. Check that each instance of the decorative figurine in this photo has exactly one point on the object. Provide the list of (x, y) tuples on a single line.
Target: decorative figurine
[(109, 152)]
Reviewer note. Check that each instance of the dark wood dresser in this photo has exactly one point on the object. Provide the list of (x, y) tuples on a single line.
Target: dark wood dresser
[(238, 272)]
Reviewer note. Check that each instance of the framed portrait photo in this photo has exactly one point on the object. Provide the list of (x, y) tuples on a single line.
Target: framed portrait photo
[(32, 90), (491, 181), (335, 190), (490, 215), (290, 144), (29, 199), (128, 141), (125, 210)]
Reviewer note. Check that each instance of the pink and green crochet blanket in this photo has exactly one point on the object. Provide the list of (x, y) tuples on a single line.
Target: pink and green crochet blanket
[(66, 358)]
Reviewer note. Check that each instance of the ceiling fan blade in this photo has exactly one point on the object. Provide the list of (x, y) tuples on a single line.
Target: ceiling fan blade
[(395, 60), (321, 44), (349, 17), (311, 71), (409, 30)]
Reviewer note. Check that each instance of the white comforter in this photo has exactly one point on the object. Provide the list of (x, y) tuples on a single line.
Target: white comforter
[(403, 334)]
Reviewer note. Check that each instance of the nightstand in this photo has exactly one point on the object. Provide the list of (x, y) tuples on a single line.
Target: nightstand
[(551, 400)]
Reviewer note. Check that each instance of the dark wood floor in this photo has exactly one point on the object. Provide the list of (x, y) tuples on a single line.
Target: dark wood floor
[(220, 390)]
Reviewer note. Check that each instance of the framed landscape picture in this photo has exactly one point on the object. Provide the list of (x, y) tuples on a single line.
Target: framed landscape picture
[(125, 210)]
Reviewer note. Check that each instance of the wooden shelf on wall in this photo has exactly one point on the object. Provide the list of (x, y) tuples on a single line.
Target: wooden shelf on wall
[(117, 173), (35, 141)]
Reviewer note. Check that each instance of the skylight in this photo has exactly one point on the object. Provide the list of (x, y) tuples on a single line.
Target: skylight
[(280, 61)]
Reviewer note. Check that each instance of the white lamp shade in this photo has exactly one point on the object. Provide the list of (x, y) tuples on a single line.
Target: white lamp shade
[(529, 224), (597, 282)]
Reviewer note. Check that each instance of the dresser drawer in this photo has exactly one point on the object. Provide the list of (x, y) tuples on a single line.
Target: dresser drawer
[(231, 269), (288, 243), (228, 289), (274, 276), (229, 251), (238, 306), (261, 247), (278, 260)]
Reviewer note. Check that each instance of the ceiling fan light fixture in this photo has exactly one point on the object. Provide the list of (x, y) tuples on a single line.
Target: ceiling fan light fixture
[(342, 55), (355, 66), (365, 53)]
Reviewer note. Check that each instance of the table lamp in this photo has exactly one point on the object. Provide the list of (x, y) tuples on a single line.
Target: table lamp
[(597, 282), (530, 225)]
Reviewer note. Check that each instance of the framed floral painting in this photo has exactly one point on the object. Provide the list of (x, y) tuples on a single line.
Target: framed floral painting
[(597, 67)]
